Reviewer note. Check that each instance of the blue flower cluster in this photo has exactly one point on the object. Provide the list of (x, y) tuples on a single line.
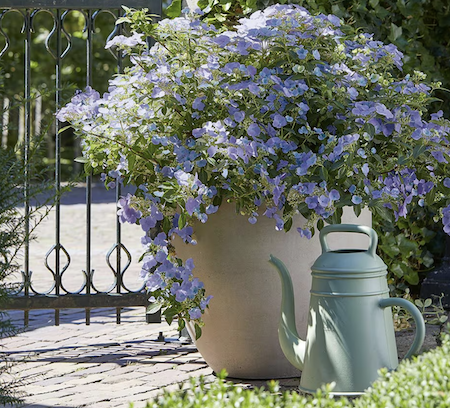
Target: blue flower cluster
[(283, 114)]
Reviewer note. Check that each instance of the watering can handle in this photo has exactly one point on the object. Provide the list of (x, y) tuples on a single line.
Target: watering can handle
[(418, 319), (349, 228)]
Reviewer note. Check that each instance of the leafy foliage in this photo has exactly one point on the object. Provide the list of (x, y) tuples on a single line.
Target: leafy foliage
[(287, 113), (409, 246), (421, 382)]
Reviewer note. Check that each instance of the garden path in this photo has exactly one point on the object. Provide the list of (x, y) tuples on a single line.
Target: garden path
[(103, 365)]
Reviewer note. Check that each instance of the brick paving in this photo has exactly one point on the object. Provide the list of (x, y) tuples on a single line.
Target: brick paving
[(103, 365)]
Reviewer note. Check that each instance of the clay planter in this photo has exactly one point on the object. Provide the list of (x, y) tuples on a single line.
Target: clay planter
[(231, 258)]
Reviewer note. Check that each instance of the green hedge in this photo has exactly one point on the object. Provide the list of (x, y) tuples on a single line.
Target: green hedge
[(421, 382)]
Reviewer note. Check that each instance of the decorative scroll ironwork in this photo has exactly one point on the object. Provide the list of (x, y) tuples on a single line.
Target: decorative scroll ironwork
[(57, 296)]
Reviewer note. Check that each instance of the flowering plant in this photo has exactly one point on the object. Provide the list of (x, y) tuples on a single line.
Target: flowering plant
[(286, 113)]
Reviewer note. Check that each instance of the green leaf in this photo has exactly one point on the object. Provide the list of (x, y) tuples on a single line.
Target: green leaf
[(320, 224), (174, 10), (288, 224), (398, 269), (182, 221), (170, 313), (153, 307), (81, 159), (323, 173), (198, 331), (418, 302), (411, 276), (418, 150), (428, 302), (121, 20), (406, 245), (389, 250), (166, 225), (428, 260), (131, 160), (395, 33)]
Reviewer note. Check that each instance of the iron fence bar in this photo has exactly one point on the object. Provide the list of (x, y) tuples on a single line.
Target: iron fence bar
[(118, 194), (58, 161), (27, 94), (89, 32), (77, 301)]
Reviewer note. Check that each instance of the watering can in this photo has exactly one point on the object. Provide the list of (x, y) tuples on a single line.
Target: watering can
[(350, 332)]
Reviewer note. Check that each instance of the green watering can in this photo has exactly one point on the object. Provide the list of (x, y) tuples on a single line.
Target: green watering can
[(350, 328)]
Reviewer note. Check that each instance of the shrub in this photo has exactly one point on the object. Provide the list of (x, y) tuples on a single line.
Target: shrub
[(14, 234), (421, 382)]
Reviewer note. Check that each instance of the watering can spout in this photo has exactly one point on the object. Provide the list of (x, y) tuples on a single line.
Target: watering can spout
[(293, 347)]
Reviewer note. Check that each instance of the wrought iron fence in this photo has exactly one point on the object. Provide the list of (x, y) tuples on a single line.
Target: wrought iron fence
[(58, 44)]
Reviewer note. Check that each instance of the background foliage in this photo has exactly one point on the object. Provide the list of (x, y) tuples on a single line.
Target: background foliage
[(74, 72)]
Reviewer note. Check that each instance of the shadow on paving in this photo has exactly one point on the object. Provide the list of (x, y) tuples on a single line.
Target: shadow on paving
[(123, 354), (37, 406)]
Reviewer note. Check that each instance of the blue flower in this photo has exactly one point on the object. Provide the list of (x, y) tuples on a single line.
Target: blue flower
[(127, 213), (305, 233), (195, 313), (192, 205), (254, 130), (198, 104), (334, 195), (356, 200), (279, 121)]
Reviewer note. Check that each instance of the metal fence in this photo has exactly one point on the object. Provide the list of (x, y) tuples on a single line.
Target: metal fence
[(58, 44)]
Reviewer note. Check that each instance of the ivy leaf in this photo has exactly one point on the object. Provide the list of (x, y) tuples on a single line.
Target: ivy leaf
[(391, 251), (405, 245), (398, 269), (395, 33), (411, 276)]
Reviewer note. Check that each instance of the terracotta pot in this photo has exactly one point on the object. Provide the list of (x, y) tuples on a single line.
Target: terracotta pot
[(231, 258)]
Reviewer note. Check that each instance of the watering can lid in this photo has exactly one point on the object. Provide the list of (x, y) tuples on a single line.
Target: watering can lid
[(349, 260)]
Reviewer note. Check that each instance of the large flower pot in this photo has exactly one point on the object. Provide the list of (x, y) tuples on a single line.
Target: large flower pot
[(231, 258)]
